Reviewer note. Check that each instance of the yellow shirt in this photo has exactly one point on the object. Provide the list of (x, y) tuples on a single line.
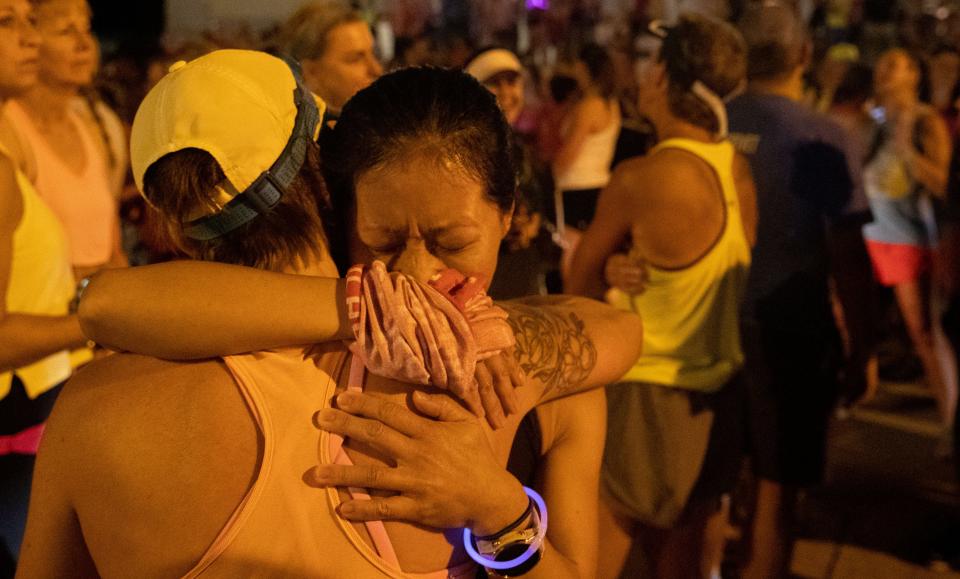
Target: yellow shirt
[(691, 336), (41, 283)]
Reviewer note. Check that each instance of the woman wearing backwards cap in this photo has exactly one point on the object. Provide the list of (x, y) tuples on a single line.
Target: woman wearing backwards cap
[(688, 208), (421, 206)]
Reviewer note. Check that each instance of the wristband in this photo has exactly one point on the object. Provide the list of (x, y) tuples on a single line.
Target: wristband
[(527, 533), (74, 304), (354, 282)]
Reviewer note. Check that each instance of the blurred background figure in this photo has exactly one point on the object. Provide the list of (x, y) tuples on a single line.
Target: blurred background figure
[(335, 47), (37, 327), (77, 169), (905, 168), (674, 438), (581, 166), (944, 84), (522, 265), (806, 186)]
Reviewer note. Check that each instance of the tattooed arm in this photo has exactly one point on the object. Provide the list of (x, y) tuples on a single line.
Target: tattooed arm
[(571, 344)]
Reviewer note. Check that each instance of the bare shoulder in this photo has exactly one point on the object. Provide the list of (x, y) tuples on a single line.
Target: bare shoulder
[(158, 455), (656, 175), (629, 180), (130, 411), (129, 389)]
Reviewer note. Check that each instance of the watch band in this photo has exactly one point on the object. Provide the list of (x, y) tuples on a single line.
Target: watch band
[(516, 549)]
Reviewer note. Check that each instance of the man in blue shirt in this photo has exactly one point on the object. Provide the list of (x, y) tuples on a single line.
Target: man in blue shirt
[(806, 180)]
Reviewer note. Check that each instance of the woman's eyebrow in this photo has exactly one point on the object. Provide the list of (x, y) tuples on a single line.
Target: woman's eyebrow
[(446, 227)]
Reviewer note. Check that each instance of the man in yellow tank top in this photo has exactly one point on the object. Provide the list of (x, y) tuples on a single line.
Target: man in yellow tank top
[(688, 209)]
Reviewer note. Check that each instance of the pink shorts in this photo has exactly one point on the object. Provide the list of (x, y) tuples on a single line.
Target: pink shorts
[(896, 263)]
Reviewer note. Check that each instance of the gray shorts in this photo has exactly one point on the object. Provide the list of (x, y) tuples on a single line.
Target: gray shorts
[(668, 448)]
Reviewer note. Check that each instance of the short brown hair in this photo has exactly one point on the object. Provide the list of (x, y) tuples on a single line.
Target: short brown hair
[(288, 235), (700, 48), (777, 41), (304, 34)]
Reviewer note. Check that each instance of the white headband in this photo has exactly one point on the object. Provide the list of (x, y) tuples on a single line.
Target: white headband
[(491, 62)]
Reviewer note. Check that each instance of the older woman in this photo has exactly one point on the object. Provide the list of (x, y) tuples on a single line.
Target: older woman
[(73, 171), (36, 286)]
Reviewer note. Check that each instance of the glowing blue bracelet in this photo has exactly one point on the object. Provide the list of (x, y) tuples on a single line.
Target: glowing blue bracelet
[(525, 556)]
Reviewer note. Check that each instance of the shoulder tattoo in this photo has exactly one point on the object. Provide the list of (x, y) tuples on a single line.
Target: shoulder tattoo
[(552, 347)]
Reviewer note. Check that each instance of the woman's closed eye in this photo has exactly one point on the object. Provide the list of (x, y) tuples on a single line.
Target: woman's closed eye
[(447, 247), (386, 249)]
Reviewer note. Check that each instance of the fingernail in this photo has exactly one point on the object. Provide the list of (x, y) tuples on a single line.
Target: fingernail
[(347, 509), (324, 416), (346, 398)]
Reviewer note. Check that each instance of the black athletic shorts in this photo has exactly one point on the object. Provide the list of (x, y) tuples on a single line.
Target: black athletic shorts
[(792, 364)]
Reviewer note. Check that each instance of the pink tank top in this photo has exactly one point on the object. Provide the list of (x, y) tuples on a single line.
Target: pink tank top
[(82, 201), (284, 527)]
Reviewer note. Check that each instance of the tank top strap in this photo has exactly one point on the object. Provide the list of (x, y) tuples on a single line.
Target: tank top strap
[(376, 529), (255, 403)]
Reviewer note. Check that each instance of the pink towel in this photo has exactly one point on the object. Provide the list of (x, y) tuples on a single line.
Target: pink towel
[(415, 333)]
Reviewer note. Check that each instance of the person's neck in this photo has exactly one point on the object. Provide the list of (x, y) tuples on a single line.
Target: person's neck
[(671, 127), (317, 264), (789, 86), (897, 102), (48, 104)]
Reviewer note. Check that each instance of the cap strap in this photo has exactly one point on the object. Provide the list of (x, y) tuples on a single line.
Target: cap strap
[(266, 191)]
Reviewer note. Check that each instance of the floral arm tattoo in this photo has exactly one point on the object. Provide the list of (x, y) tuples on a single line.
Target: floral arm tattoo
[(552, 346)]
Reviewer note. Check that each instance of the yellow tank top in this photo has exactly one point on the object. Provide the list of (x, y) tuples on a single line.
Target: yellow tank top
[(691, 335), (284, 527), (41, 282)]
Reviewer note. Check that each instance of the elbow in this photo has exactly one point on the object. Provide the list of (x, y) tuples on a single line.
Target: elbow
[(632, 330), (627, 342)]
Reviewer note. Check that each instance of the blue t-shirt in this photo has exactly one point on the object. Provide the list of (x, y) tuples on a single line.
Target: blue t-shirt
[(806, 176)]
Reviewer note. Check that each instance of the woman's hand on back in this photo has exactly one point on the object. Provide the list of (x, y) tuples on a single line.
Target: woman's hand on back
[(446, 473)]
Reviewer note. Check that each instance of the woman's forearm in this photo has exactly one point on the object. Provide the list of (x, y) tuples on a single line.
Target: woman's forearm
[(188, 310), (28, 338)]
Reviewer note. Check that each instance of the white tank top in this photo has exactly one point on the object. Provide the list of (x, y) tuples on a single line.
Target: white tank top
[(591, 168)]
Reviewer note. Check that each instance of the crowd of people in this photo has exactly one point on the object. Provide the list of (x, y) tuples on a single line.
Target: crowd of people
[(695, 229)]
